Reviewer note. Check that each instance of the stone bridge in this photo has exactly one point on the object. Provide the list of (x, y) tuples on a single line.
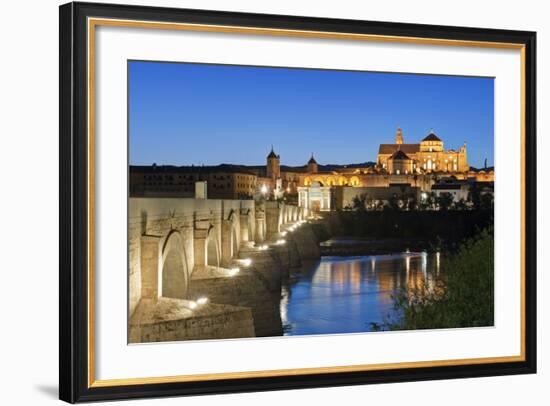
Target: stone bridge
[(184, 251)]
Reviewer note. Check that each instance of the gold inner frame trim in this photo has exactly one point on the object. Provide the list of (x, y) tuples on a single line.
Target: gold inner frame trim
[(94, 22)]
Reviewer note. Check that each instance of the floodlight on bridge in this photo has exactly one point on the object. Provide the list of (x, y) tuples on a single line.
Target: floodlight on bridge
[(233, 271), (202, 301)]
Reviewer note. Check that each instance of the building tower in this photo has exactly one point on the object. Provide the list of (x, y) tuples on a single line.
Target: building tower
[(463, 159), (312, 166), (273, 166), (399, 137)]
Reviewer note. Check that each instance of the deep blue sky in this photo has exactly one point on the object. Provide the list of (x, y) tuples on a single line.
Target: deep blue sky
[(184, 114)]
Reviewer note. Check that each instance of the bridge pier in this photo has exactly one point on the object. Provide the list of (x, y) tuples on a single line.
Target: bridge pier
[(150, 259), (245, 226), (230, 237), (227, 246), (200, 235), (273, 219), (259, 232)]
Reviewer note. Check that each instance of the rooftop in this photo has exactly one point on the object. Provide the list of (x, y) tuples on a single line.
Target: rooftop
[(431, 137), (406, 148), (272, 154), (400, 155), (227, 168)]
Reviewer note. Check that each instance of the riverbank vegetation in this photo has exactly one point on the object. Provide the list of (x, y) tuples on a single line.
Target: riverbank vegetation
[(442, 230), (463, 298), (437, 219)]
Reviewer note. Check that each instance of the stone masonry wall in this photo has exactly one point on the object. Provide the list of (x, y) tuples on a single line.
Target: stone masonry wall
[(167, 320), (160, 216)]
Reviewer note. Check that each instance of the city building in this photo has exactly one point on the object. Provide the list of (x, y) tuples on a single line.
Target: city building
[(457, 189), (222, 181)]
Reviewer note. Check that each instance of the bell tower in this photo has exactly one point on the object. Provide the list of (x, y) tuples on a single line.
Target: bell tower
[(273, 165), (399, 137), (312, 166)]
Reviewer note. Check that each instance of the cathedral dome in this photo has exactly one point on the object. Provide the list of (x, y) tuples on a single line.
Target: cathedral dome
[(431, 137)]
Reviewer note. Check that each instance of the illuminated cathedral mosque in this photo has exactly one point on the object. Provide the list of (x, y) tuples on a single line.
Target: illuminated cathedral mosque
[(418, 166), (428, 156), (396, 163)]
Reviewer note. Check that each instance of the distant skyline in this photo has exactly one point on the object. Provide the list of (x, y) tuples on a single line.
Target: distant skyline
[(201, 114)]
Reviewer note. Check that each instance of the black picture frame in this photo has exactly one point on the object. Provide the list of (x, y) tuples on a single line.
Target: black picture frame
[(74, 199)]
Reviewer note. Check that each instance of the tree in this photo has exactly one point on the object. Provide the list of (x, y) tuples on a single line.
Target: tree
[(394, 202), (486, 201), (411, 202), (369, 203), (430, 201), (444, 201), (474, 196), (358, 202), (460, 205)]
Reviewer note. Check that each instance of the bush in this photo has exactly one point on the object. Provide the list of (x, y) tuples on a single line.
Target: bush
[(464, 298)]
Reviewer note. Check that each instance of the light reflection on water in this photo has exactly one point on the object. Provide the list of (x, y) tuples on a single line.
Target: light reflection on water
[(346, 294)]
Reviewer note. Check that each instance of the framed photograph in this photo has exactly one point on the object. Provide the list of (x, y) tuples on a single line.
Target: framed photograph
[(257, 202)]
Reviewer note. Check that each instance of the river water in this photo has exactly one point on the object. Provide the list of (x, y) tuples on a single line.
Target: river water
[(346, 294)]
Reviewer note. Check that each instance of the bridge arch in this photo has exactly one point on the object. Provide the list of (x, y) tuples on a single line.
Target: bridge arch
[(174, 278)]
